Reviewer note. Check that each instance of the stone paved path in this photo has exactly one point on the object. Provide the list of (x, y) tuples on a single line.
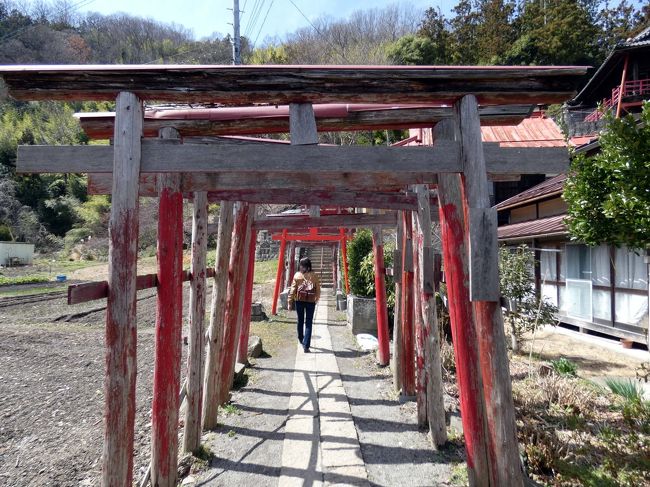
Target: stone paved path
[(321, 447)]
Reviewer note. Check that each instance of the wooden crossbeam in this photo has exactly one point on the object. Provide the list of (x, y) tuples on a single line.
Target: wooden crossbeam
[(356, 199), (293, 223), (169, 156), (91, 291), (278, 182), (299, 84), (310, 238), (273, 120)]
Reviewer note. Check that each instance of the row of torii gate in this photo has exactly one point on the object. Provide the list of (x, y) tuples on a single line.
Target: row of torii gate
[(182, 154)]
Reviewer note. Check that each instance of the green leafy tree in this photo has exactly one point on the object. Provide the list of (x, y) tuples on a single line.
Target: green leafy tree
[(555, 32), (526, 310), (495, 32), (414, 50), (465, 31), (435, 27), (608, 194)]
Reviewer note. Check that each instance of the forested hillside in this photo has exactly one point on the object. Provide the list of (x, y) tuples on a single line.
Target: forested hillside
[(55, 212)]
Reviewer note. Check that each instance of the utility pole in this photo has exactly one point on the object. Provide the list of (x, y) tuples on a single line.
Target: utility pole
[(236, 44)]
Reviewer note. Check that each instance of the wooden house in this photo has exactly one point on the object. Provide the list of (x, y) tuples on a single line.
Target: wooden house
[(604, 289)]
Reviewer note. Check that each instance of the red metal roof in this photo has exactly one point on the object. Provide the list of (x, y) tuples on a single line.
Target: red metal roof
[(537, 131), (544, 189), (547, 227)]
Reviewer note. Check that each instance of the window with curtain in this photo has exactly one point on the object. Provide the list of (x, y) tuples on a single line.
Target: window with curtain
[(631, 273), (578, 294)]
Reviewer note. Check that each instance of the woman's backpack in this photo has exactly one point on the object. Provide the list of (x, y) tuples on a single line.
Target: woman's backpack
[(306, 291)]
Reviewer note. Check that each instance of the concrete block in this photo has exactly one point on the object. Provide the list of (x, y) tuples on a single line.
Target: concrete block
[(255, 347), (284, 299), (341, 301), (362, 315)]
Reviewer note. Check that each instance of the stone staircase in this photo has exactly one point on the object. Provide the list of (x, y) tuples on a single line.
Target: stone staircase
[(321, 262)]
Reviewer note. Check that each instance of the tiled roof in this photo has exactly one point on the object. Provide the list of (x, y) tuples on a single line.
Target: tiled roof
[(553, 225), (641, 39), (542, 190)]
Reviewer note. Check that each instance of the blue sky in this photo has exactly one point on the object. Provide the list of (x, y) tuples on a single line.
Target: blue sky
[(204, 17)]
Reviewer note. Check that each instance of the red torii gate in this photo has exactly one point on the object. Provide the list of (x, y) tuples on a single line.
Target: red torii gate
[(458, 163)]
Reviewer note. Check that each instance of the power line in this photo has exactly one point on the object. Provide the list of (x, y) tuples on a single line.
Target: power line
[(319, 32), (263, 22), (250, 26)]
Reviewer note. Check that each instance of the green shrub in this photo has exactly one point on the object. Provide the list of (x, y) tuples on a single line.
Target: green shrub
[(5, 234), (11, 281), (358, 248), (564, 366)]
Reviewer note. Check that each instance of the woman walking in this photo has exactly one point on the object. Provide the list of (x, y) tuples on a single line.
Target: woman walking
[(304, 293)]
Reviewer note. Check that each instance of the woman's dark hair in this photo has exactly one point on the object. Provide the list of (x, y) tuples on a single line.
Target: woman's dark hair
[(306, 263)]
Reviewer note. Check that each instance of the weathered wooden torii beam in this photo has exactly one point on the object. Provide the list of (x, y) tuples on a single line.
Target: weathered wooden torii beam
[(275, 119), (304, 223), (419, 164), (277, 85)]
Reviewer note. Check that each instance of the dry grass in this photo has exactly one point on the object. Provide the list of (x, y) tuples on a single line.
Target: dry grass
[(576, 433)]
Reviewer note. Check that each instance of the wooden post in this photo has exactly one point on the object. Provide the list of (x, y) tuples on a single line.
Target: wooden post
[(280, 271), (398, 371), (242, 294), (217, 316), (481, 228), (169, 325), (619, 102), (121, 324), (383, 353), (234, 299), (192, 427), (407, 354), (302, 126), (420, 371), (430, 329), (344, 248), (242, 354), (463, 328)]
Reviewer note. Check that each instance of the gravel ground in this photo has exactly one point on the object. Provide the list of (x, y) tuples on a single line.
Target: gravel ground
[(247, 444), (395, 452)]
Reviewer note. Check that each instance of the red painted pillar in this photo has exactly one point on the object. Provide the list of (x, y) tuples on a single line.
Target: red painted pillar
[(383, 353), (344, 249), (234, 297), (169, 316), (463, 330), (242, 354), (278, 275), (121, 319), (407, 356)]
